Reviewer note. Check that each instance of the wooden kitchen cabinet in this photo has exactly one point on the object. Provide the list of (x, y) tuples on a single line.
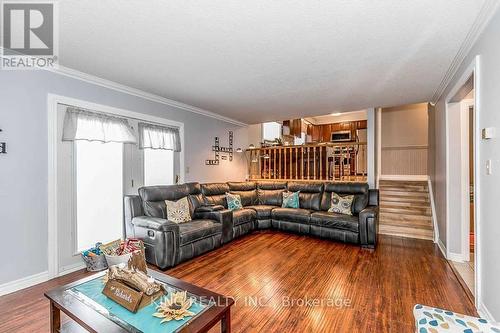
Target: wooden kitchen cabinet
[(316, 133), (326, 132)]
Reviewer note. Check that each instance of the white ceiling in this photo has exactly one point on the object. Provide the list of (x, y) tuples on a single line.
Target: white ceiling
[(263, 60)]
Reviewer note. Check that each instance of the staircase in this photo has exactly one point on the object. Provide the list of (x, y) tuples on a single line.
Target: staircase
[(405, 209)]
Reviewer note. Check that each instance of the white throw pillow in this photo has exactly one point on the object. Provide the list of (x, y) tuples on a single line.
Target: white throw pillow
[(178, 211)]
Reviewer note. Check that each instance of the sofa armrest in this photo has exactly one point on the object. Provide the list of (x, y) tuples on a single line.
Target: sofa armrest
[(225, 217), (155, 223), (132, 207), (368, 226), (373, 197), (161, 240)]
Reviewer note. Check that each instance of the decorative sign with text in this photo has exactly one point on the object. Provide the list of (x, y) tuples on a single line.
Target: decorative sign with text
[(122, 294), (224, 153)]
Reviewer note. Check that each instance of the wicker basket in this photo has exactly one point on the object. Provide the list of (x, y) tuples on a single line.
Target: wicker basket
[(95, 263), (117, 260)]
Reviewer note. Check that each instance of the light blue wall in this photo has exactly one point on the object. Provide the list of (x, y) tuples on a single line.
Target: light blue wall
[(23, 180)]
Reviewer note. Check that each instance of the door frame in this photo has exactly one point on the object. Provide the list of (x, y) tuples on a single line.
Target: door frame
[(472, 69), (52, 168)]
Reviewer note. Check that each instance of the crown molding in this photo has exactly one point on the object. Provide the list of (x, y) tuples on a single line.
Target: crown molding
[(75, 74), (482, 19), (69, 72)]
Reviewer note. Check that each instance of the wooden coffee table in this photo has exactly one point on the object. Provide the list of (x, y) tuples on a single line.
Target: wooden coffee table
[(92, 312)]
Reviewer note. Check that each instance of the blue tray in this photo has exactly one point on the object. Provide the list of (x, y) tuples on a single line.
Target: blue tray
[(90, 293)]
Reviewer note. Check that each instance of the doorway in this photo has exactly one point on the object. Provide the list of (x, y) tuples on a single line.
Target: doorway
[(465, 266), (462, 199)]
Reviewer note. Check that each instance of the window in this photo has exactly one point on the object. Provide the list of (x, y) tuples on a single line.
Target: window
[(113, 155), (271, 130), (301, 140), (99, 192), (158, 167)]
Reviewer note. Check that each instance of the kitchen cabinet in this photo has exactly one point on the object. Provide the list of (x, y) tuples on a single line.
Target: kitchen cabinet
[(317, 133)]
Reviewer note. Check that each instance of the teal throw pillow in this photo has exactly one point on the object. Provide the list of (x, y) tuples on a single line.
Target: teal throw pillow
[(233, 201), (290, 200)]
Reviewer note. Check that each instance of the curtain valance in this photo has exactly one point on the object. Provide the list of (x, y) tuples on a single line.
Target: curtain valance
[(93, 126), (159, 137)]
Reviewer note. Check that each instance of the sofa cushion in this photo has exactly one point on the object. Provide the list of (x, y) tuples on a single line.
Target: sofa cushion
[(195, 197), (270, 197), (335, 221), (310, 194), (263, 211), (244, 215), (242, 186), (247, 197), (272, 185), (215, 193), (359, 190), (298, 215), (155, 209), (246, 190), (198, 229), (153, 197)]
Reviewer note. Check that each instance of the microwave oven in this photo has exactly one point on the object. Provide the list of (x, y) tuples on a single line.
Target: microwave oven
[(341, 136)]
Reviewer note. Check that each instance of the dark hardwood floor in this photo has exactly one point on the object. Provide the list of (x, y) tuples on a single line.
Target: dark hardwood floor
[(355, 290)]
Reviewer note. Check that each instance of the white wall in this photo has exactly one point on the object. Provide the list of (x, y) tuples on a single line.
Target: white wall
[(371, 149), (23, 185), (404, 125), (254, 135), (488, 48), (404, 138)]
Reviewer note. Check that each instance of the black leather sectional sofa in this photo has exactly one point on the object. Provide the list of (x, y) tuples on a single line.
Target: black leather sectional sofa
[(168, 243)]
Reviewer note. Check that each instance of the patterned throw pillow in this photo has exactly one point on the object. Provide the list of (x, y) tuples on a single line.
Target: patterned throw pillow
[(178, 211), (290, 200), (233, 201), (340, 204)]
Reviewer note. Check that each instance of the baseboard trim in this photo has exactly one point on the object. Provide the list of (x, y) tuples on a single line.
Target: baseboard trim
[(456, 257), (483, 312), (71, 268), (23, 283), (442, 248), (29, 281), (416, 178), (433, 210)]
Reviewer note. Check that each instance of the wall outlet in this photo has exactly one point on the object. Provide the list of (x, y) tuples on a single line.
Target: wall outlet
[(488, 167)]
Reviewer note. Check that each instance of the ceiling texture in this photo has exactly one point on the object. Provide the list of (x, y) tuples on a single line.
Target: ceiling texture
[(263, 60)]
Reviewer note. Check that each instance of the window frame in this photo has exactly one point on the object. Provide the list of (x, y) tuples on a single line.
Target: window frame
[(269, 122), (59, 254)]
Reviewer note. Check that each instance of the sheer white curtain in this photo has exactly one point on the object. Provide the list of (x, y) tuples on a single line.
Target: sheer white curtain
[(159, 137), (93, 126)]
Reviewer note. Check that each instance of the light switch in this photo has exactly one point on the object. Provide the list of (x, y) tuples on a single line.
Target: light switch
[(488, 133), (488, 167)]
